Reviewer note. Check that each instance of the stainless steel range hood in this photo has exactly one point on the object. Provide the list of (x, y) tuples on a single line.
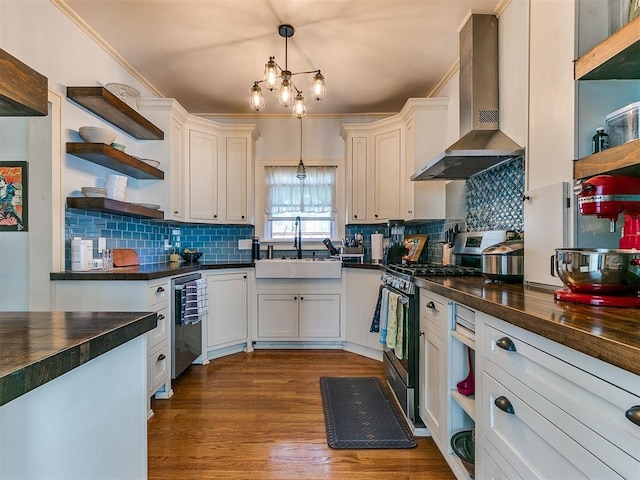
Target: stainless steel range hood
[(482, 145)]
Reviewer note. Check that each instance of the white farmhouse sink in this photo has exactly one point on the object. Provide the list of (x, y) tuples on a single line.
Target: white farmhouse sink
[(298, 268)]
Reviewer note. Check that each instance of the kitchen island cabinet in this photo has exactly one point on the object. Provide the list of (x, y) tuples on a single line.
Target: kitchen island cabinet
[(72, 390), (569, 372)]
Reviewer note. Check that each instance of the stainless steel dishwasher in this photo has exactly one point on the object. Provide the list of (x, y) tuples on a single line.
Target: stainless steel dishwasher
[(186, 343)]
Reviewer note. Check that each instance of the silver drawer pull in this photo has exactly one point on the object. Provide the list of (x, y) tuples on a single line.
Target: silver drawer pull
[(633, 414), (504, 404), (506, 343), (161, 357)]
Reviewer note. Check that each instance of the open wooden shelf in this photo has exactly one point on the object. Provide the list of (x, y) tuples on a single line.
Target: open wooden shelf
[(617, 57), (109, 157), (102, 102), (23, 91), (621, 160), (108, 205)]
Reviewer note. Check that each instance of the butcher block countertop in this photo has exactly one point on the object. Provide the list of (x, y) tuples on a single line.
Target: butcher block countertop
[(37, 347), (607, 333)]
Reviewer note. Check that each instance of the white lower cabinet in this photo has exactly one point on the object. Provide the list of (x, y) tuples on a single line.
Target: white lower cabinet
[(299, 316), (227, 321), (433, 358), (553, 412), (131, 296), (362, 287)]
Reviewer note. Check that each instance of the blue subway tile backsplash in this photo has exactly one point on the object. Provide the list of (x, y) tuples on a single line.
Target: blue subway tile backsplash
[(493, 201)]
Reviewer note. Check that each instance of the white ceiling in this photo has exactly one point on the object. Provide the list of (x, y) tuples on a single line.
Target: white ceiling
[(374, 54)]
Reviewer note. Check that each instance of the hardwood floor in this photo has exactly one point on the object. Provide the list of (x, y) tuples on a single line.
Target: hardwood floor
[(259, 416)]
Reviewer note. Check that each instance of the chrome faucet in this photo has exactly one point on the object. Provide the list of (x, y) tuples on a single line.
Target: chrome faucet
[(297, 240)]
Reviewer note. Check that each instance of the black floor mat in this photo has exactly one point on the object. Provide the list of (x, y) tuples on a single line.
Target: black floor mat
[(359, 414)]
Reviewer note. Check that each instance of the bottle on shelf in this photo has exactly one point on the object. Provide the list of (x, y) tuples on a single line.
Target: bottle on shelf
[(600, 140)]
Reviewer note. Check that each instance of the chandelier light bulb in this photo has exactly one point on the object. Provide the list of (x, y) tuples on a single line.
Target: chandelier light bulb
[(256, 100), (299, 110), (286, 93), (271, 74), (318, 87)]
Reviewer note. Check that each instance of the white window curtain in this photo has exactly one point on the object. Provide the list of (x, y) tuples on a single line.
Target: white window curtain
[(285, 193)]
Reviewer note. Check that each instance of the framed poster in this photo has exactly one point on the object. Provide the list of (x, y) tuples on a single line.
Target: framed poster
[(13, 197)]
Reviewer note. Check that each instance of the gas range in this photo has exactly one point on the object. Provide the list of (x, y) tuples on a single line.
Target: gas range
[(402, 276)]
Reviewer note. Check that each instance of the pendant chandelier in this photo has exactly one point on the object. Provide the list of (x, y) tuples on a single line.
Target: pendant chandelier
[(301, 171), (275, 77)]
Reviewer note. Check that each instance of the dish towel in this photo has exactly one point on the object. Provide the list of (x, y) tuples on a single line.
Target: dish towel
[(194, 302), (375, 322), (399, 348), (392, 328), (384, 315)]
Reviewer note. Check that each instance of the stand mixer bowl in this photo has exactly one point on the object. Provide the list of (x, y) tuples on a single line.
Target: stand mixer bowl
[(599, 271)]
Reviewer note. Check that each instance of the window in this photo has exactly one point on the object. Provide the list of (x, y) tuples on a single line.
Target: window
[(311, 199)]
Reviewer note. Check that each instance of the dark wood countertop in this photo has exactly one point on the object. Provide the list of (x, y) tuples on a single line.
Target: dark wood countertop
[(607, 333), (36, 347), (148, 271)]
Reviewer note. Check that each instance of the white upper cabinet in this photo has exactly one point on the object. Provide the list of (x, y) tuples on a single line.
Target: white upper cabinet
[(203, 174)]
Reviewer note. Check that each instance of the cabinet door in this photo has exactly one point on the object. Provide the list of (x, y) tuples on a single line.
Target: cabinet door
[(227, 317), (319, 316), (359, 182), (434, 388), (388, 175), (203, 176), (278, 316), (177, 194), (235, 187), (361, 298)]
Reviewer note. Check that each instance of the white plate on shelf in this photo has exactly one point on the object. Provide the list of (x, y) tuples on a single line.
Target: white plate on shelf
[(148, 161), (150, 206)]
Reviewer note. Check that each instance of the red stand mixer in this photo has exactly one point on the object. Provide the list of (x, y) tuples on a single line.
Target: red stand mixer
[(609, 277)]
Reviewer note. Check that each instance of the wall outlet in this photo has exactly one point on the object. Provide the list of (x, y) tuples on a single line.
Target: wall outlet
[(244, 244), (167, 245)]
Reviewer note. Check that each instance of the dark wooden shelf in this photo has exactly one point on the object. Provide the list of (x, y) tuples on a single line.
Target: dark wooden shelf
[(102, 102), (617, 57), (23, 91), (107, 205), (109, 157), (621, 160)]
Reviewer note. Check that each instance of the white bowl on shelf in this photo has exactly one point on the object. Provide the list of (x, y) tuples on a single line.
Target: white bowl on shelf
[(94, 191), (148, 161), (97, 135)]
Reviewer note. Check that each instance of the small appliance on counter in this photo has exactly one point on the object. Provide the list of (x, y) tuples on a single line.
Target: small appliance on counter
[(395, 249), (607, 277), (504, 261)]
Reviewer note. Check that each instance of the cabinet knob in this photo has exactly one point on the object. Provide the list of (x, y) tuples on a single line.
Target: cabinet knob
[(243, 216), (430, 305), (160, 317), (375, 215), (504, 404), (302, 299), (160, 290), (421, 333), (355, 216), (244, 276), (295, 298), (215, 215), (161, 357), (506, 343), (633, 414), (175, 212)]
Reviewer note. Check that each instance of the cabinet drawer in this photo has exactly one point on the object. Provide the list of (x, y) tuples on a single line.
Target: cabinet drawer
[(161, 332), (433, 313), (158, 295), (597, 404), (532, 444), (159, 367)]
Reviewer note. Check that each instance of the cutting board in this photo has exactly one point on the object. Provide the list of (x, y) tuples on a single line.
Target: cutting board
[(125, 257)]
